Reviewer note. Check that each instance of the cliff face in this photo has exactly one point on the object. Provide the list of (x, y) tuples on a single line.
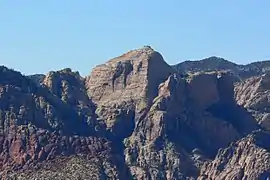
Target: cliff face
[(134, 117)]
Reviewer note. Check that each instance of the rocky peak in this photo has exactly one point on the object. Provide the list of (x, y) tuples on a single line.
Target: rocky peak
[(134, 75), (67, 85)]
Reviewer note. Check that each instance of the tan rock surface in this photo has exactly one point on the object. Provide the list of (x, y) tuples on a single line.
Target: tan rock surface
[(132, 76)]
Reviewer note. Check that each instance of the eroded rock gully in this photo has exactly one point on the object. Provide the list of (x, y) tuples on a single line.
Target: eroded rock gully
[(134, 117)]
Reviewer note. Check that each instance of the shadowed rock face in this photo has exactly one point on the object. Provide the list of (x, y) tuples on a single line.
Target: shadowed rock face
[(253, 94), (133, 117)]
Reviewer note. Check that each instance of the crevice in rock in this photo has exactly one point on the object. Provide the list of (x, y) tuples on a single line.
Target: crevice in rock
[(117, 73), (128, 68), (123, 68), (139, 67)]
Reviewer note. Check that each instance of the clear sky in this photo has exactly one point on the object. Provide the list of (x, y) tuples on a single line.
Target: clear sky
[(41, 35)]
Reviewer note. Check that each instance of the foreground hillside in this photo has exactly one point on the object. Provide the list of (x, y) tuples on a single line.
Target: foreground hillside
[(134, 117)]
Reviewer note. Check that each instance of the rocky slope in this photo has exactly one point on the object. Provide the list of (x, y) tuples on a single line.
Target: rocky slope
[(134, 117)]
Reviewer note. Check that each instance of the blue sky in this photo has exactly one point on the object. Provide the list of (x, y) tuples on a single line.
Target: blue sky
[(38, 36)]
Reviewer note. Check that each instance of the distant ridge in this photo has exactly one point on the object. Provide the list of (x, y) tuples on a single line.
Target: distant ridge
[(214, 63)]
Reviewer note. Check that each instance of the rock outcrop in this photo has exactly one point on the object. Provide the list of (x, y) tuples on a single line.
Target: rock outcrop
[(69, 87), (134, 76)]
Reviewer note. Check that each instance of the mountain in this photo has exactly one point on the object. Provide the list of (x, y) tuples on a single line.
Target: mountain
[(219, 64), (134, 117)]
